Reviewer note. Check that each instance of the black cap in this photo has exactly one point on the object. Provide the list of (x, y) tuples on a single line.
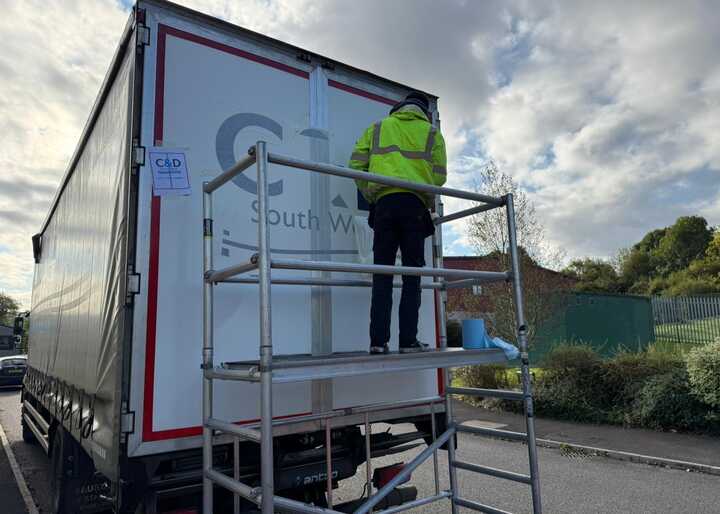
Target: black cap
[(414, 98)]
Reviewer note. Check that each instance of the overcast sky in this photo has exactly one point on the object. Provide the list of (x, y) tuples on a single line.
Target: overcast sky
[(607, 113)]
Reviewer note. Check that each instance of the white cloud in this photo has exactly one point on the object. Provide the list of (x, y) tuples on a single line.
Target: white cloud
[(613, 118), (607, 112), (52, 62)]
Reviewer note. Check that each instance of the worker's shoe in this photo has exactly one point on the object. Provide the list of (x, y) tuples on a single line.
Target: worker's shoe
[(377, 349), (415, 347)]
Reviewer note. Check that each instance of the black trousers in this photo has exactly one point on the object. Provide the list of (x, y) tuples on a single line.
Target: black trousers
[(400, 221)]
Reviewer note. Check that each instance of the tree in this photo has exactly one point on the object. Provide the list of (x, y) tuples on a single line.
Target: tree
[(488, 231), (713, 249), (675, 260), (635, 266), (488, 234), (8, 309), (702, 276), (594, 276), (683, 242), (650, 242)]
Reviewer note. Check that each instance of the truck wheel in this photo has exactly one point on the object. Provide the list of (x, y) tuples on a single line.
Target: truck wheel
[(27, 434), (60, 450)]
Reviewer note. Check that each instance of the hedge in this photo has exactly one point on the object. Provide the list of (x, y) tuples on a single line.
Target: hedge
[(648, 389), (703, 366)]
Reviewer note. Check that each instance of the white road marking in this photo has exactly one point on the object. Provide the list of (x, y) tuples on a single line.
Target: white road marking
[(24, 491)]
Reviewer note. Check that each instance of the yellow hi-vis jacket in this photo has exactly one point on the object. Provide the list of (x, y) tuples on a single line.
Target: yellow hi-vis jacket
[(404, 145)]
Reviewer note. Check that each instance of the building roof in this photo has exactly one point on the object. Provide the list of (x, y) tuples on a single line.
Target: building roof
[(490, 262), (539, 279)]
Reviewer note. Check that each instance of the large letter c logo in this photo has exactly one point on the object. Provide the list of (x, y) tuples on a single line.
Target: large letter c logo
[(225, 147)]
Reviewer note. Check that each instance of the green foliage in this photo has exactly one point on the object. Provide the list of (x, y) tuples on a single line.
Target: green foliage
[(8, 308), (559, 397), (703, 365), (650, 389), (636, 267), (650, 242), (624, 372), (683, 242), (566, 389), (571, 358), (657, 285), (682, 284), (682, 259), (490, 376), (624, 377), (639, 287), (666, 402), (702, 276), (713, 249), (705, 268), (594, 276)]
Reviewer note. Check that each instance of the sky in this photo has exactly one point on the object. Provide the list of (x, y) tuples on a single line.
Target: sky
[(606, 113)]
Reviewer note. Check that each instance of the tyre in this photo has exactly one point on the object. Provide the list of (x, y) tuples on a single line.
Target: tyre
[(60, 451), (71, 472)]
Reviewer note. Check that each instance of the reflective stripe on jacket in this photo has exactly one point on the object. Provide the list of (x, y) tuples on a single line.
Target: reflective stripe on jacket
[(404, 145)]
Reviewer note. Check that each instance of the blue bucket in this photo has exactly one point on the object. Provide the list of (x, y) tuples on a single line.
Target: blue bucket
[(473, 334)]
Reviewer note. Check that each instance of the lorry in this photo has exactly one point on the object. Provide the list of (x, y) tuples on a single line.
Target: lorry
[(122, 389), (113, 386)]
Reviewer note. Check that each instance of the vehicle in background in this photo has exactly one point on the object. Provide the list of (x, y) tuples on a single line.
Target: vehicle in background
[(12, 370), (8, 342)]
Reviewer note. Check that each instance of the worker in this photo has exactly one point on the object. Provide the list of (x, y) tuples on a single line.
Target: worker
[(405, 146)]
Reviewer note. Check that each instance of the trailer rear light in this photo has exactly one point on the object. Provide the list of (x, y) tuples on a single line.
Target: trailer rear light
[(382, 476)]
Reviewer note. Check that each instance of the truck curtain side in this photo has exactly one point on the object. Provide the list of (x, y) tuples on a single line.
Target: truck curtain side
[(115, 331), (77, 329)]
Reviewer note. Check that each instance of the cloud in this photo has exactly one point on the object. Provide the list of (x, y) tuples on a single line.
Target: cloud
[(605, 112), (51, 67), (612, 119)]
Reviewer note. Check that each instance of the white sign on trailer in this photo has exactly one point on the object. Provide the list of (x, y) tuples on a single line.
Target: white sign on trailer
[(217, 95), (170, 173)]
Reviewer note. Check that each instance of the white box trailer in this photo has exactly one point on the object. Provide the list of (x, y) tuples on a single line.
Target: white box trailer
[(116, 323)]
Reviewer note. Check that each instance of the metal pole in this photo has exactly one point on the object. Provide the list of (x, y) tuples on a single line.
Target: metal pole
[(383, 269), (328, 462), (339, 171), (236, 474), (440, 299), (207, 353), (416, 503), (525, 364), (229, 174), (231, 271), (462, 284), (462, 214), (435, 457), (336, 282), (266, 412), (368, 456), (406, 471)]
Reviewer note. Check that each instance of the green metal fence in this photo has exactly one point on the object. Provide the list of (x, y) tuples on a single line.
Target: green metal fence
[(687, 319), (607, 322)]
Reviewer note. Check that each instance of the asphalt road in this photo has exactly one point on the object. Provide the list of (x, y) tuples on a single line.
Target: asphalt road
[(31, 457), (571, 483)]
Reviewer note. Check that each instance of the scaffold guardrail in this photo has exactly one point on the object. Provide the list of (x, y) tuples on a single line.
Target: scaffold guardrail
[(269, 369)]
